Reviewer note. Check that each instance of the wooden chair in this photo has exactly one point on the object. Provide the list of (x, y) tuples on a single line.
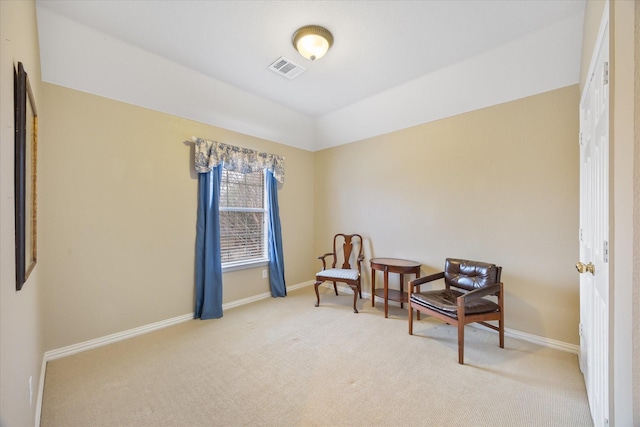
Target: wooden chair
[(465, 304), (344, 273)]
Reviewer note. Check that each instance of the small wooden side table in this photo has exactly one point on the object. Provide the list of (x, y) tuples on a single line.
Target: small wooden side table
[(391, 265)]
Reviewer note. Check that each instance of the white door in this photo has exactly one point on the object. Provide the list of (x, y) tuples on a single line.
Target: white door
[(594, 230)]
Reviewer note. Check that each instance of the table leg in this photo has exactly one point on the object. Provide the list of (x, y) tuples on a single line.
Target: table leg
[(401, 289), (386, 294), (373, 287)]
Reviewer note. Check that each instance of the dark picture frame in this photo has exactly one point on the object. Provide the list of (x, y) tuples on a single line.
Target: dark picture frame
[(26, 155)]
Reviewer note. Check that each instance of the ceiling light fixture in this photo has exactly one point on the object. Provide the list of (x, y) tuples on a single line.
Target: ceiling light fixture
[(312, 41)]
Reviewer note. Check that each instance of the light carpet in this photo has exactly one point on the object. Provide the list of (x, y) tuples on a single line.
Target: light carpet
[(284, 362)]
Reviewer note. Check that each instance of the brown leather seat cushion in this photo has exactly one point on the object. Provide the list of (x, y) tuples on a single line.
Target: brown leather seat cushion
[(444, 301)]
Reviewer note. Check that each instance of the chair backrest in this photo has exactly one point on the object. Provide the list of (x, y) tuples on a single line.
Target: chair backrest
[(470, 275), (346, 242)]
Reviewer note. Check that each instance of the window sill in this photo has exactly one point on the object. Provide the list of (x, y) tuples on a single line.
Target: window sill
[(233, 266)]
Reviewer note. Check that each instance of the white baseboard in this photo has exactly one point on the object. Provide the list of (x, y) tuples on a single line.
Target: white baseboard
[(43, 369), (109, 339), (535, 339), (120, 336), (262, 296), (512, 333)]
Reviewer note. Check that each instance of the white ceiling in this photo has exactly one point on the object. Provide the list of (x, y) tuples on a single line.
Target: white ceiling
[(393, 64)]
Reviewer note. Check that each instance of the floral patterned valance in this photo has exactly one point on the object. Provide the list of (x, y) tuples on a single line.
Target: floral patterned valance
[(210, 154)]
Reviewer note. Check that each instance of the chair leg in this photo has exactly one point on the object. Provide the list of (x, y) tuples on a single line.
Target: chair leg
[(460, 323), (410, 310), (354, 288), (501, 320), (460, 342), (335, 288), (317, 294)]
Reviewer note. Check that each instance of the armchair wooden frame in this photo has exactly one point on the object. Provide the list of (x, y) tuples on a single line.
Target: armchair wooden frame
[(345, 273), (459, 317)]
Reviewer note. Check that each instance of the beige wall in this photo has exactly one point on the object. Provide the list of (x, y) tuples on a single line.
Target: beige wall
[(636, 221), (21, 339), (498, 184), (118, 212)]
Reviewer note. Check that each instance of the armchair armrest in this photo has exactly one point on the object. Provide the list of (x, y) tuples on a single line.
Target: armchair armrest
[(496, 288), (322, 257), (422, 280)]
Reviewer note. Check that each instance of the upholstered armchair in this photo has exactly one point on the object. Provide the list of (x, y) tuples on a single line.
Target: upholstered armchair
[(472, 293)]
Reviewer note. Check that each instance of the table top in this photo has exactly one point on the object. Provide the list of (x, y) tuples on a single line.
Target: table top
[(394, 262)]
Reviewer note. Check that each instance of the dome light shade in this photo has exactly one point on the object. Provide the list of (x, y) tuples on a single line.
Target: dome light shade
[(312, 41)]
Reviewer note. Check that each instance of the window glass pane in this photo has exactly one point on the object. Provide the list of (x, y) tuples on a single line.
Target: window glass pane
[(241, 235), (239, 190), (242, 216)]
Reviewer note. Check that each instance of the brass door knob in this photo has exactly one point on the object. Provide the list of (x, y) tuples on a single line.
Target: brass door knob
[(583, 268)]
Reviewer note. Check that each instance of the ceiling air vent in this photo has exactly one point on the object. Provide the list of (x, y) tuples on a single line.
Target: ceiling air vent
[(286, 68)]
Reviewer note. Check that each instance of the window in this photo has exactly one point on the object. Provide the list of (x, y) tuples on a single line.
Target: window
[(243, 218)]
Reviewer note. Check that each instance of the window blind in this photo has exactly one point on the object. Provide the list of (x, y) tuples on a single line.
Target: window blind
[(242, 216)]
